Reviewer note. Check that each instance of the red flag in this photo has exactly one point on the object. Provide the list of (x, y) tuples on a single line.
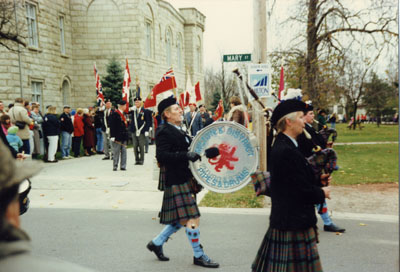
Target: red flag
[(184, 99), (99, 88), (281, 83), (219, 111), (197, 91), (166, 83), (125, 87)]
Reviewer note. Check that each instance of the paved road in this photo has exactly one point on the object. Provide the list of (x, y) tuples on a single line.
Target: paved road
[(84, 212), (112, 240)]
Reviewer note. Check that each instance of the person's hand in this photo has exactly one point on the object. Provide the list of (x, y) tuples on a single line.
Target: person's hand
[(21, 156), (326, 179), (327, 192), (329, 144), (146, 133), (193, 156), (112, 139)]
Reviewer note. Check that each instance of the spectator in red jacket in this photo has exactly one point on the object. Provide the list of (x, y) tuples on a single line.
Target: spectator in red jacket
[(78, 132)]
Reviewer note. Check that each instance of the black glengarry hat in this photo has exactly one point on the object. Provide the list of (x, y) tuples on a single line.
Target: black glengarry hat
[(286, 107), (121, 102), (169, 101)]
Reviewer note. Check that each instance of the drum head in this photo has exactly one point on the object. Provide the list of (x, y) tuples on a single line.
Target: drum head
[(230, 171)]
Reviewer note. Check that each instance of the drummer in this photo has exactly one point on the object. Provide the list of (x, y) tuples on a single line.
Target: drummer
[(290, 241), (179, 207)]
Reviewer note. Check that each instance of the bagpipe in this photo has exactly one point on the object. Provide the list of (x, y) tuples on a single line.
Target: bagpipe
[(323, 161)]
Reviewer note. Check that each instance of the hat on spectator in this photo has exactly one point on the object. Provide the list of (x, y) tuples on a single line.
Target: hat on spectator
[(13, 172)]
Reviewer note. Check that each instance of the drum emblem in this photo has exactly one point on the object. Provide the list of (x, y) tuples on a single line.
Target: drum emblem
[(225, 158)]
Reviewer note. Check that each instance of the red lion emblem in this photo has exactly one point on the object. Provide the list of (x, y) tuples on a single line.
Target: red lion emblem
[(226, 152)]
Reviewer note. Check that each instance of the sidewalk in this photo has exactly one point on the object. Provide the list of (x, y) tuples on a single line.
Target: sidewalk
[(90, 183)]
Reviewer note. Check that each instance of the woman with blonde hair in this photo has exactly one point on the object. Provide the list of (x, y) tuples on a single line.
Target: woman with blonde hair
[(51, 129)]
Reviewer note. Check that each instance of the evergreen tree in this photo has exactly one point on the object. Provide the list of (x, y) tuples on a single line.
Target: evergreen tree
[(113, 81)]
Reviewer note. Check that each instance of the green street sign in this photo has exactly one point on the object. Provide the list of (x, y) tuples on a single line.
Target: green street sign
[(237, 57)]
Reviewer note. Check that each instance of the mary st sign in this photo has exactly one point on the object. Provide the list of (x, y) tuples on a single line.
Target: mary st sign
[(237, 57)]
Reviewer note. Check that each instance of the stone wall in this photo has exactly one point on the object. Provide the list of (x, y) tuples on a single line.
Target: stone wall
[(95, 31)]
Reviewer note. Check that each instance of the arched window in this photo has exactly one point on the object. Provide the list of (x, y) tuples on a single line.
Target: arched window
[(168, 47), (179, 51), (149, 32), (66, 93)]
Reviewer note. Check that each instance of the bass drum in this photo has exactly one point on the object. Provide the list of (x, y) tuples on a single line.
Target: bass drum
[(230, 171)]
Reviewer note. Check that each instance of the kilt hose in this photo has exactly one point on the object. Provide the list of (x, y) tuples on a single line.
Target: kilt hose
[(284, 251), (178, 204)]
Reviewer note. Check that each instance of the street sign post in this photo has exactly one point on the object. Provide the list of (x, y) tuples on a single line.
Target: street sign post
[(237, 57)]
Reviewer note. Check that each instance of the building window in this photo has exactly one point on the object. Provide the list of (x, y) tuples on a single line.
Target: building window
[(66, 92), (37, 92), (148, 40), (168, 48), (32, 25), (62, 35), (179, 53)]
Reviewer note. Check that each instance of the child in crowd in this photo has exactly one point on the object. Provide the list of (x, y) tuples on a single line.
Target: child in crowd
[(12, 138)]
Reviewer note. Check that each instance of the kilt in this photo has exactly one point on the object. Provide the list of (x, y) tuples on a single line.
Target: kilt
[(178, 204), (283, 251)]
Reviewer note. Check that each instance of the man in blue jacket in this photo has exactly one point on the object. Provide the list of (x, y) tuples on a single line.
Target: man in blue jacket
[(193, 120)]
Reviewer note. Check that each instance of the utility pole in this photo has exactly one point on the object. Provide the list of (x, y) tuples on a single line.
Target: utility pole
[(260, 56)]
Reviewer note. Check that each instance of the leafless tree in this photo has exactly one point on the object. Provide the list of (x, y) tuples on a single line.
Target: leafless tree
[(331, 28), (9, 33)]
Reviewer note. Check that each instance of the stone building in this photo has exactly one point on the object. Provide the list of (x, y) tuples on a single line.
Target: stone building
[(66, 37)]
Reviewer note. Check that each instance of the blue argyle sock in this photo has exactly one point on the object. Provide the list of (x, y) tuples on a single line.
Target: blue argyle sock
[(194, 239), (324, 214), (166, 233)]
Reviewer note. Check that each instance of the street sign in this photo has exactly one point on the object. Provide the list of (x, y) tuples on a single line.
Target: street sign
[(237, 57), (260, 79)]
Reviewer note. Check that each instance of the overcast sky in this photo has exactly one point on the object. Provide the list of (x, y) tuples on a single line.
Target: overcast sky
[(229, 25)]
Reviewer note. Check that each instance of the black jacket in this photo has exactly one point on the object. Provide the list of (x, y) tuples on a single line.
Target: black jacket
[(99, 120), (305, 145), (143, 119), (66, 123), (118, 129), (51, 125), (171, 149), (294, 190)]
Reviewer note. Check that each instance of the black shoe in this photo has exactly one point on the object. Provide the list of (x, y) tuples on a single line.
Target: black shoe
[(137, 163), (114, 169), (333, 228), (123, 169), (105, 158), (205, 261), (158, 251), (140, 163)]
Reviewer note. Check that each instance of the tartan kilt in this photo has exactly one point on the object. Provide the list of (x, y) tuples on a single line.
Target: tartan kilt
[(178, 204), (282, 251)]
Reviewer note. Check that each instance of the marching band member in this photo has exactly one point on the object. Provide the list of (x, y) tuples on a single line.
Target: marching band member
[(179, 206), (290, 241), (306, 146)]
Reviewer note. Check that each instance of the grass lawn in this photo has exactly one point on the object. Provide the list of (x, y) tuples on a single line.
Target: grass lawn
[(360, 164), (370, 133), (244, 198)]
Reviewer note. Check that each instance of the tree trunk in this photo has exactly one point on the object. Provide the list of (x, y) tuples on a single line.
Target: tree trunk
[(355, 115), (312, 45)]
